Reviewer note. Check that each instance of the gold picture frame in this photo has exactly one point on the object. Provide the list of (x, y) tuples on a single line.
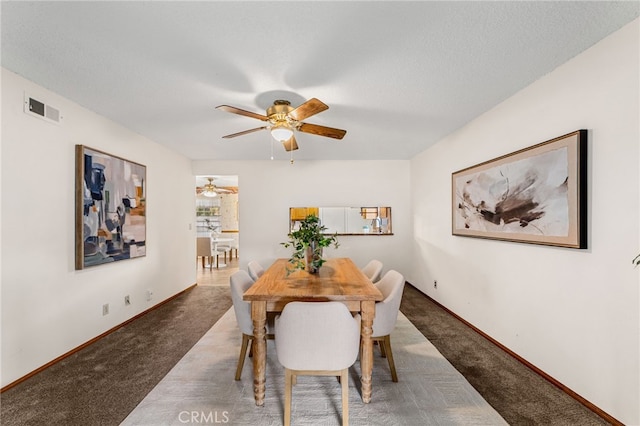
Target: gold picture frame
[(110, 213), (536, 195)]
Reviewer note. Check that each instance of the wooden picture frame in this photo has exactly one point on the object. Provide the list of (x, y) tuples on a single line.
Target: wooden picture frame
[(536, 195), (110, 212)]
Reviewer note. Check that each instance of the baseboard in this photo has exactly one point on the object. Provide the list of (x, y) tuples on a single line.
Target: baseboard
[(607, 417), (95, 339)]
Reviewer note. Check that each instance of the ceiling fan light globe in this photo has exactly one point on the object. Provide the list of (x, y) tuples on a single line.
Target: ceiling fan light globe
[(210, 194), (281, 134)]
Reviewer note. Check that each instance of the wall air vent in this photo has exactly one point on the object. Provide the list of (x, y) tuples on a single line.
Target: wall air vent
[(40, 109)]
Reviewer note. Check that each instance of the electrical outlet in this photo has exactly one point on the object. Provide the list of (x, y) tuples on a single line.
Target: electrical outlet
[(105, 309), (127, 300), (149, 295), (435, 284)]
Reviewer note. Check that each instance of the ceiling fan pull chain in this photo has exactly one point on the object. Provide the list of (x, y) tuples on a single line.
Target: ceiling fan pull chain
[(271, 148)]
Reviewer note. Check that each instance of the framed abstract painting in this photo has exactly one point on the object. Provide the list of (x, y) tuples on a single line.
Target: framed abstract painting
[(535, 195), (110, 214)]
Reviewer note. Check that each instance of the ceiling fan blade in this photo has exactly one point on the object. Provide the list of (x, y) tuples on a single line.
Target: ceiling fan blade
[(329, 132), (239, 111), (227, 189), (233, 135), (291, 144), (307, 109)]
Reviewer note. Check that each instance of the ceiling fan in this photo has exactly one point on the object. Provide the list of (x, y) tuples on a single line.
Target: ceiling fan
[(283, 120), (211, 190)]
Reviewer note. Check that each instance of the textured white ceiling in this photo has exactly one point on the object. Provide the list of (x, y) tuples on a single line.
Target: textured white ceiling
[(398, 76)]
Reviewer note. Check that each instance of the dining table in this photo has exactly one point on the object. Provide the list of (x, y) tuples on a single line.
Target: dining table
[(338, 279)]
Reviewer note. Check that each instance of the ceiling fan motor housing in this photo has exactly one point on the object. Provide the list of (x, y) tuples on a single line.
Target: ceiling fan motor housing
[(278, 113)]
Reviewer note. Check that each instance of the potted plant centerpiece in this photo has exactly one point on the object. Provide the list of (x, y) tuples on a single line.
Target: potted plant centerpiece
[(308, 242)]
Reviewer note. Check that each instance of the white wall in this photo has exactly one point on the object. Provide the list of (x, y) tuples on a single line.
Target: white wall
[(572, 313), (268, 188), (48, 308)]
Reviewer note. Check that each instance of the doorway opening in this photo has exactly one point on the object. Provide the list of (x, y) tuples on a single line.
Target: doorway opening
[(217, 229)]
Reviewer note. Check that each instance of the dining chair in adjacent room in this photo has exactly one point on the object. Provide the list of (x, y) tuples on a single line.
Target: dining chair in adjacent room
[(204, 249), (223, 249), (317, 339), (373, 270), (234, 245), (240, 282), (255, 270), (391, 286)]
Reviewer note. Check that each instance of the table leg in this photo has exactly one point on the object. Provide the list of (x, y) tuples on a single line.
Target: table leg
[(367, 312), (259, 317)]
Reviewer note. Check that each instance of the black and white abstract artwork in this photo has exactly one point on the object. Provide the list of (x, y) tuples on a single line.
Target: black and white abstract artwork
[(534, 195)]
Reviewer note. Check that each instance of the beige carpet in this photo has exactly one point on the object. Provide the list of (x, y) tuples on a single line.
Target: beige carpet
[(201, 389)]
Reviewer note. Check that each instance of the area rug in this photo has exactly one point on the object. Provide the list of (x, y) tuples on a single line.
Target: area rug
[(201, 388)]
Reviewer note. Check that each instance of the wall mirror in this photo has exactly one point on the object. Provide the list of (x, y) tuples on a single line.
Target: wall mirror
[(346, 220)]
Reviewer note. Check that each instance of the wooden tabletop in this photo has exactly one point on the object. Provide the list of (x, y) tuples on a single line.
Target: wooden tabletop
[(339, 279)]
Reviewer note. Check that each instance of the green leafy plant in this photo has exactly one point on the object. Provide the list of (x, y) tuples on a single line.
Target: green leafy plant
[(309, 238)]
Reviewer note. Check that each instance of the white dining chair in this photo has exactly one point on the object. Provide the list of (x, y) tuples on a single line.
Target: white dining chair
[(240, 282), (317, 339), (255, 270), (391, 286), (373, 270), (223, 249), (234, 245)]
